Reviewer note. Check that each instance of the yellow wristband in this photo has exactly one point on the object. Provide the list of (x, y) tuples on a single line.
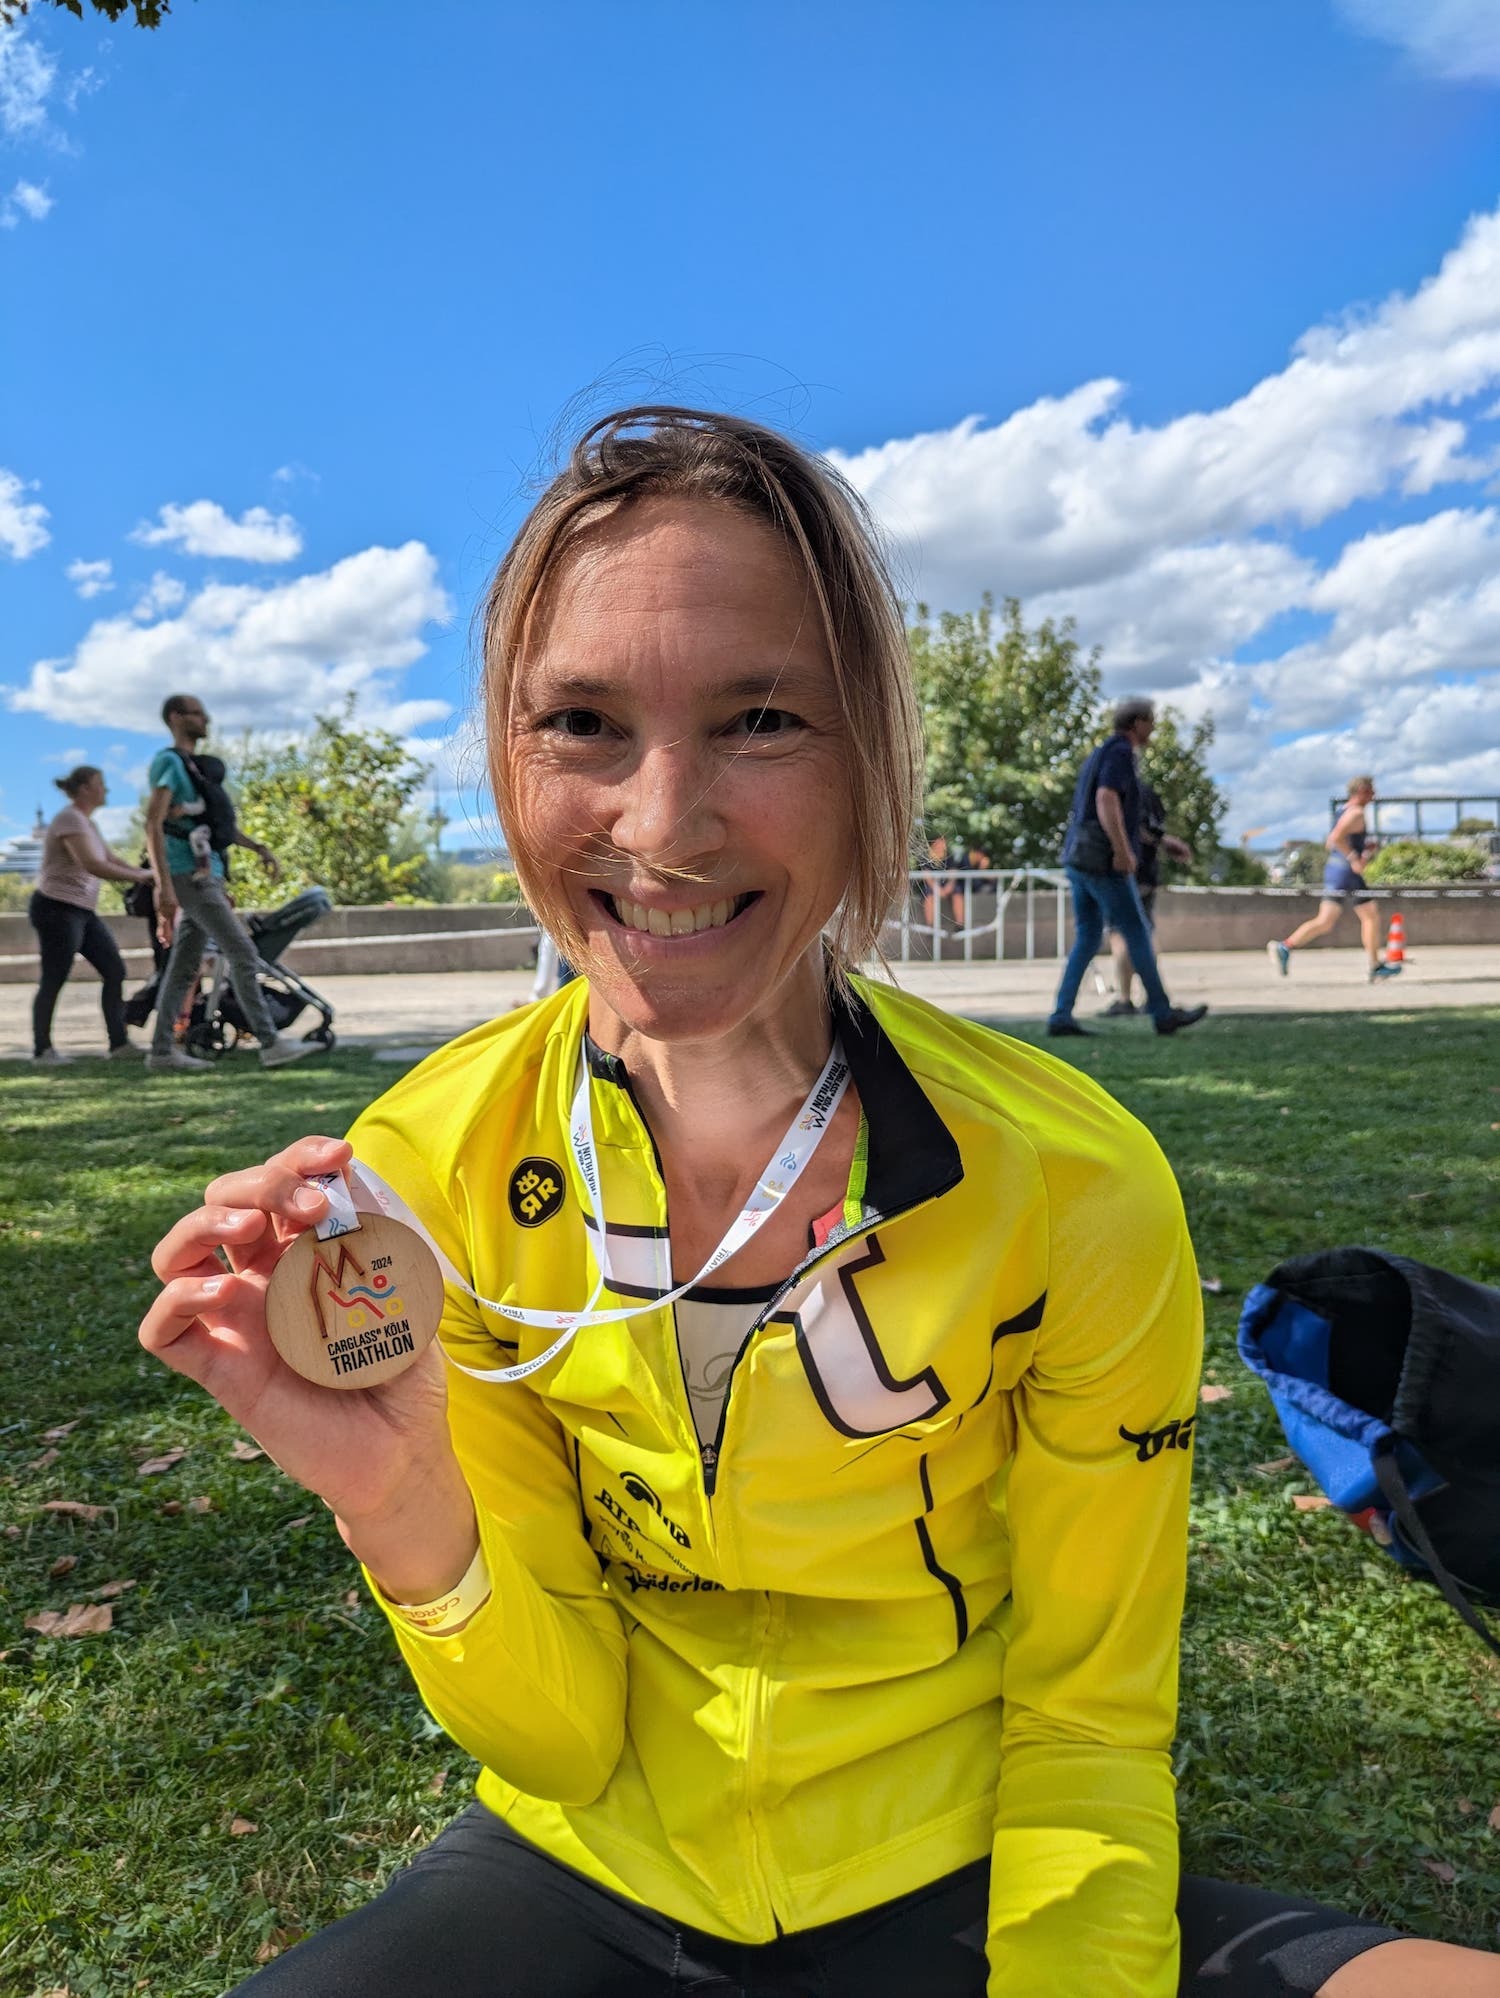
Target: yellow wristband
[(454, 1607)]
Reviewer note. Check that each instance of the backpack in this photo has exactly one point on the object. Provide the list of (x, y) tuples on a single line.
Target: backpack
[(1386, 1376), (207, 773)]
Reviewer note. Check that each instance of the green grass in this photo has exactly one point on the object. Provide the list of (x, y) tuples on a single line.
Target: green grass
[(1335, 1716)]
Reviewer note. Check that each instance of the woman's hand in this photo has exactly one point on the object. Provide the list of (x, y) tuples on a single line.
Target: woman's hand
[(368, 1453)]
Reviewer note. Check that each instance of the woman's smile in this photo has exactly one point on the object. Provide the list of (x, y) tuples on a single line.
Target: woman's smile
[(676, 924)]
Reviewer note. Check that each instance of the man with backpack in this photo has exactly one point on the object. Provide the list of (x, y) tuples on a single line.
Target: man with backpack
[(190, 877)]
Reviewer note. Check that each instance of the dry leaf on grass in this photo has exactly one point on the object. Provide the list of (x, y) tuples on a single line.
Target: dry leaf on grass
[(351, 1599), (276, 1942), (1276, 1464), (77, 1620), (435, 1784), (1310, 1501), (302, 1519), (106, 1590), (12, 1532), (171, 1507), (1493, 1820), (238, 1827), (201, 1504), (74, 1509), (63, 1565), (162, 1463), (47, 1457), (245, 1452), (60, 1430), (1440, 1870), (1211, 1391)]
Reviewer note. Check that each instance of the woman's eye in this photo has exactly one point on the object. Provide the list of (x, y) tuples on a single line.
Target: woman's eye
[(575, 722), (768, 721)]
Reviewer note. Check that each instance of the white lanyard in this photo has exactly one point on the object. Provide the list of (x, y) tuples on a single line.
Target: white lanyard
[(803, 1136)]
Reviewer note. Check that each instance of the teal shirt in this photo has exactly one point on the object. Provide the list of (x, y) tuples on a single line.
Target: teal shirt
[(169, 773)]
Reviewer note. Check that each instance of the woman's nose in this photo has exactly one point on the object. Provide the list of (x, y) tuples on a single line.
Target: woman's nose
[(667, 810)]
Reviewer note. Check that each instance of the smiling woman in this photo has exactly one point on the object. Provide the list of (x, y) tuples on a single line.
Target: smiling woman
[(812, 1613)]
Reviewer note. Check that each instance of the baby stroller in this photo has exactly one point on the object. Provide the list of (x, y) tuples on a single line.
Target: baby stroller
[(216, 1022)]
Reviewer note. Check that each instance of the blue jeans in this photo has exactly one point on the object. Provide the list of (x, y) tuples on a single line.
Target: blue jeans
[(1113, 901)]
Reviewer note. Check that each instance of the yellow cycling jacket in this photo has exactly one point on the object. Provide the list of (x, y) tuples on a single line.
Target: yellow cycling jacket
[(919, 1600)]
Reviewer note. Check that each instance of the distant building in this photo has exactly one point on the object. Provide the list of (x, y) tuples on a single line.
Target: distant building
[(477, 856), (23, 855)]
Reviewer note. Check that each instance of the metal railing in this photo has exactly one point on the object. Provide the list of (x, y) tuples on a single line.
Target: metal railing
[(950, 915)]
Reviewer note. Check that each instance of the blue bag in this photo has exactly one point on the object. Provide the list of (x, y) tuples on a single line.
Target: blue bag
[(1386, 1376)]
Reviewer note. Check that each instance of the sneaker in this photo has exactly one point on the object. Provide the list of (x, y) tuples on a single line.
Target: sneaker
[(126, 1051), (283, 1049), (1280, 956), (50, 1058), (1178, 1017), (174, 1058), (1067, 1029), (1385, 971), (1121, 1009)]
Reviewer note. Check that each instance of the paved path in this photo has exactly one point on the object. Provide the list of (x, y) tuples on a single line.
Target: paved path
[(422, 1009)]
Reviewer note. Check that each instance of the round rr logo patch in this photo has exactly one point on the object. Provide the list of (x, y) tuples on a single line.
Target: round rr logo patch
[(536, 1191)]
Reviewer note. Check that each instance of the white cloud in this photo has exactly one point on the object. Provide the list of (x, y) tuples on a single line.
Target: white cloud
[(1177, 545), (204, 528), (22, 529), (163, 593), (26, 200), (286, 475), (27, 74), (91, 579), (1458, 39), (264, 657)]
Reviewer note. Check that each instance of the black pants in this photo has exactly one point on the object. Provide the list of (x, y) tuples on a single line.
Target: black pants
[(483, 1914), (64, 932)]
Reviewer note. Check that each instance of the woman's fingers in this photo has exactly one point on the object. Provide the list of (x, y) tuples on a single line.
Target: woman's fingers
[(279, 1187), (187, 1248), (213, 1330)]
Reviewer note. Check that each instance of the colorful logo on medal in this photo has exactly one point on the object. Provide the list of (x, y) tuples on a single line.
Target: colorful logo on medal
[(536, 1191), (347, 1297)]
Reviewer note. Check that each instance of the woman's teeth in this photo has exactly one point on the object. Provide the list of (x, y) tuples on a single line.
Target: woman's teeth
[(676, 922)]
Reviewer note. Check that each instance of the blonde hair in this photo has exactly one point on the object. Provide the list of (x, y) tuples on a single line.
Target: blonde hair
[(1360, 784), (662, 452)]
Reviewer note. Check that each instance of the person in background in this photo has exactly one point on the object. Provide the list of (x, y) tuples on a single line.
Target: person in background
[(192, 907), (1155, 840), (64, 912), (1100, 856), (1344, 884)]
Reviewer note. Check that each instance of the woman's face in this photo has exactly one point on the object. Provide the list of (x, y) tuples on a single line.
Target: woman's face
[(92, 793), (679, 761)]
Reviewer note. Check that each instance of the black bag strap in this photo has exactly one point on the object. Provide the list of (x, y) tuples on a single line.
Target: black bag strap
[(1393, 1485)]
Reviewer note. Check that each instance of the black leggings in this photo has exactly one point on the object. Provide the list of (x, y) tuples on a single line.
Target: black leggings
[(64, 932), (480, 1913)]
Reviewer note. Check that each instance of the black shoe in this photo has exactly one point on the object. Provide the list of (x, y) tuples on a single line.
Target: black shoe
[(1177, 1017), (1121, 1009), (1066, 1029)]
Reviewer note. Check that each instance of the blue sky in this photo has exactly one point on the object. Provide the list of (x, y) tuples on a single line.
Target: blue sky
[(1185, 320)]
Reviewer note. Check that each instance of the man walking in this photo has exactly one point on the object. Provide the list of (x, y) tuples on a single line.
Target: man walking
[(1100, 856), (190, 892)]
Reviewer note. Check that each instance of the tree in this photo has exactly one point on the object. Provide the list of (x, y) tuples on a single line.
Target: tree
[(1413, 863), (1009, 715), (336, 807), (1175, 762), (146, 13)]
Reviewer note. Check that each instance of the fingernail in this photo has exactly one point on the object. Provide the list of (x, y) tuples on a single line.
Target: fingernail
[(309, 1199), (213, 1286)]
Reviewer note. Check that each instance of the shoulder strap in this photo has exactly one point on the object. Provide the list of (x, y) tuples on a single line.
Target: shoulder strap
[(1393, 1485)]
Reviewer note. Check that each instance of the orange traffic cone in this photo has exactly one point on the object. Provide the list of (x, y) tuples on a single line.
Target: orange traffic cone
[(1395, 940)]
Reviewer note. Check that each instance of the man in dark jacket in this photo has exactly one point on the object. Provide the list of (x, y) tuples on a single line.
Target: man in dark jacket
[(1100, 855)]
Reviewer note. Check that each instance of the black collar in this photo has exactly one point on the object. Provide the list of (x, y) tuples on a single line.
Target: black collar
[(912, 1155)]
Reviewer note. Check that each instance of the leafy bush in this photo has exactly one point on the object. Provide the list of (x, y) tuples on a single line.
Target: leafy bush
[(1415, 863), (15, 893), (456, 881)]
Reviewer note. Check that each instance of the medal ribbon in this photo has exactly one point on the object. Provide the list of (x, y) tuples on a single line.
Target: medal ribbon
[(803, 1136)]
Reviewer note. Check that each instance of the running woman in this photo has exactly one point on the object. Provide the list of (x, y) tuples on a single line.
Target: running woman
[(1343, 886), (813, 1612)]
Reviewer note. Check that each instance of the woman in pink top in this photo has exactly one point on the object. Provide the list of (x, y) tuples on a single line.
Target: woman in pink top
[(64, 911)]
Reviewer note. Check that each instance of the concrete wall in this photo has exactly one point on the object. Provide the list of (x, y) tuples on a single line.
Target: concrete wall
[(464, 937), (501, 937), (1221, 919)]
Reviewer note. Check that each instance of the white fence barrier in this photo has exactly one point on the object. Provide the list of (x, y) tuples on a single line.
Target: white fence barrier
[(937, 919)]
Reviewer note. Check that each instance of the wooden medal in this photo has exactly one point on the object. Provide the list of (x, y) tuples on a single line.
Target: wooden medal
[(358, 1309)]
